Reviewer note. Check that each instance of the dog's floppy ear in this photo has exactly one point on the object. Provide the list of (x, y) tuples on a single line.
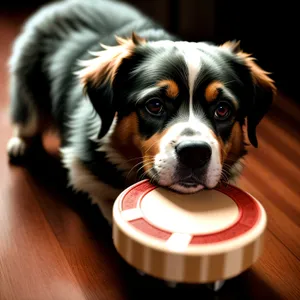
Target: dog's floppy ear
[(263, 90), (98, 76)]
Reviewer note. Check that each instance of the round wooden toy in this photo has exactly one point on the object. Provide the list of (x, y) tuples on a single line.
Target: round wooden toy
[(201, 238)]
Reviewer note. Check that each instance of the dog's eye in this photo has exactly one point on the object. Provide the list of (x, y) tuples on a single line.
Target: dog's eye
[(154, 107), (223, 111)]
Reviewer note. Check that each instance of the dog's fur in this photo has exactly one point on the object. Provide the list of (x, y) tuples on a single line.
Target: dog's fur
[(140, 104)]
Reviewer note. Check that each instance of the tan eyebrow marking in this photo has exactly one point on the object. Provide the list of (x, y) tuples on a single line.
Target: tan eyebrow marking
[(212, 91), (172, 87)]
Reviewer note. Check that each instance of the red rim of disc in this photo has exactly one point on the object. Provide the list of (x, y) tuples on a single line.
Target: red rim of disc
[(249, 214)]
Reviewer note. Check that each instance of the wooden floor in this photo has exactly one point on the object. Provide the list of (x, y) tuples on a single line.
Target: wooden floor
[(54, 245)]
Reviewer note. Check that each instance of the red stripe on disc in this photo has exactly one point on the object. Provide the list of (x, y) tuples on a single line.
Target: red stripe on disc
[(132, 197), (149, 229), (250, 214)]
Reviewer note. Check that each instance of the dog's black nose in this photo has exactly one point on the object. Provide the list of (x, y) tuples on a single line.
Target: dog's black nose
[(193, 154)]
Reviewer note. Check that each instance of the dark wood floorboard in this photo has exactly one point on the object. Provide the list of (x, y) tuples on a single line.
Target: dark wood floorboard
[(54, 244)]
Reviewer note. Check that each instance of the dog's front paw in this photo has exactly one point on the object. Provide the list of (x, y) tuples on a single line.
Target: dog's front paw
[(16, 148)]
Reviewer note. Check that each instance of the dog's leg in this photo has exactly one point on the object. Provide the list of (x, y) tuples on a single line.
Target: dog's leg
[(216, 286), (29, 93), (19, 143), (25, 121), (81, 179)]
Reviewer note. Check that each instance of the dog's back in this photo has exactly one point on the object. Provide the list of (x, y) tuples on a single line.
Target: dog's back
[(46, 53)]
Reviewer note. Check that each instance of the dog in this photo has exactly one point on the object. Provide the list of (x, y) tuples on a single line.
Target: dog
[(131, 100)]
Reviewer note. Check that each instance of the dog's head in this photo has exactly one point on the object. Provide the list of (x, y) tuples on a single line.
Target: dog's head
[(180, 107)]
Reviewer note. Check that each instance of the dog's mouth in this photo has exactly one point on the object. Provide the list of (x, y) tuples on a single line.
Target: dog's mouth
[(190, 181), (186, 185)]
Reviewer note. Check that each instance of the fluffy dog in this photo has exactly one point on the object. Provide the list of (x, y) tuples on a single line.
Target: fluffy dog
[(132, 101)]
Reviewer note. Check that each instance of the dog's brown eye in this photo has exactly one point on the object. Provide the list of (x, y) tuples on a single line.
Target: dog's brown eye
[(222, 112), (154, 107)]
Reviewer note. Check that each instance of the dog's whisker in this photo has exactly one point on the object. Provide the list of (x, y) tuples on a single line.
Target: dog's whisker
[(153, 177), (148, 172), (156, 142), (135, 166), (143, 163), (226, 174), (225, 170), (224, 179), (132, 159)]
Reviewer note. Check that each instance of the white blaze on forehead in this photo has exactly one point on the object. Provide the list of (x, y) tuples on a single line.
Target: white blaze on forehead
[(192, 58), (191, 55)]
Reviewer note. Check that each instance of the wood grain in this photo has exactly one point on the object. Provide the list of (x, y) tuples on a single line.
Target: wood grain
[(55, 245)]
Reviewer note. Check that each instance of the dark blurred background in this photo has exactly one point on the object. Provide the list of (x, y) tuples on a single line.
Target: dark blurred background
[(268, 29)]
